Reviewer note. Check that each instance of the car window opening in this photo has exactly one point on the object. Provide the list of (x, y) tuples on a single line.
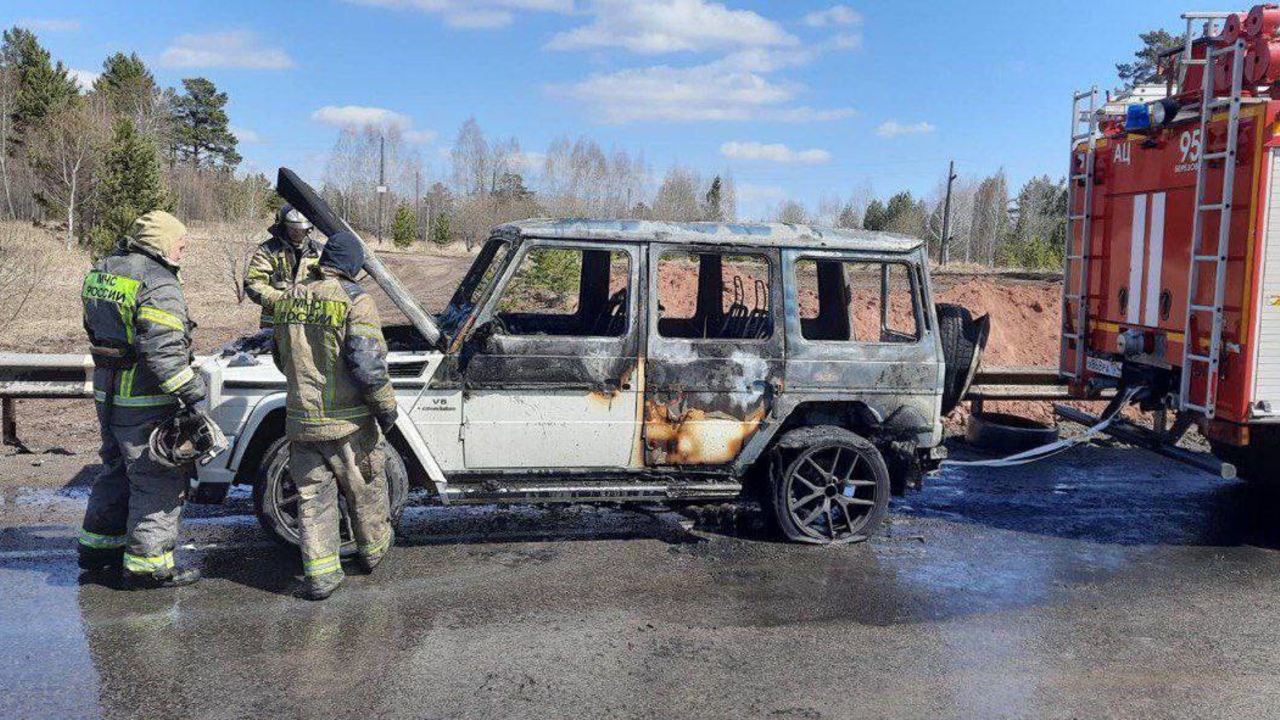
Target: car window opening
[(843, 301), (567, 292), (714, 296)]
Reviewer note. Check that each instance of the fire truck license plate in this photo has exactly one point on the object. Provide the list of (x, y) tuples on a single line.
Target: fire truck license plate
[(1101, 366)]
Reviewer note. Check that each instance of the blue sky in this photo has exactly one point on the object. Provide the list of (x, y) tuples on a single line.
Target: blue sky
[(795, 99)]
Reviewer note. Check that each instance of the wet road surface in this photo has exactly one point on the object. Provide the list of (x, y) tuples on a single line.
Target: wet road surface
[(1105, 583)]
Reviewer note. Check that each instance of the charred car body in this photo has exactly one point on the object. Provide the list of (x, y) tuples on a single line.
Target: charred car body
[(608, 361)]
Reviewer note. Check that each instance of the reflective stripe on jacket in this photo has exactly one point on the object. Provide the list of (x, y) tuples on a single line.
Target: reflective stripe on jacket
[(136, 318), (329, 345), (274, 268)]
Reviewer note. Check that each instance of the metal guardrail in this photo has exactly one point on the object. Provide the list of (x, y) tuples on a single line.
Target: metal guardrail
[(39, 376), (999, 384)]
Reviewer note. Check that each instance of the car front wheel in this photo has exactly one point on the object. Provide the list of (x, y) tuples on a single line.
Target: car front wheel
[(275, 496)]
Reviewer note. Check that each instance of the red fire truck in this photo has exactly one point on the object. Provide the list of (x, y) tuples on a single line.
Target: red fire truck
[(1172, 274)]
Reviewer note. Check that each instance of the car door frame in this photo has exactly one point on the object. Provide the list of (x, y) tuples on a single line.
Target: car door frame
[(705, 400), (550, 402)]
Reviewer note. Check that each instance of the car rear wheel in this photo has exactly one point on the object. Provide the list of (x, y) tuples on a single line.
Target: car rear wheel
[(829, 485), (275, 496)]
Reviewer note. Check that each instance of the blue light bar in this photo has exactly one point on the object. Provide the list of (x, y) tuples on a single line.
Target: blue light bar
[(1137, 117)]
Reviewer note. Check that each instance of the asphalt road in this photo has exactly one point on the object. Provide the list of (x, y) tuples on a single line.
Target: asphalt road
[(1105, 583)]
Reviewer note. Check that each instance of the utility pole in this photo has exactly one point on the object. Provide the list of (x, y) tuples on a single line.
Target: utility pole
[(417, 202), (946, 216), (382, 179)]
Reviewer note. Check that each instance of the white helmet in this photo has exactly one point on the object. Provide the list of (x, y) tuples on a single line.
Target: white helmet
[(190, 436)]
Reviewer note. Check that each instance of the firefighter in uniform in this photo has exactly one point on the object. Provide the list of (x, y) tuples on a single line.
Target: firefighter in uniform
[(280, 261), (140, 337), (329, 345)]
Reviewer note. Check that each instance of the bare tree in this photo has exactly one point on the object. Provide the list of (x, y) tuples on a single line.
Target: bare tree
[(829, 209), (677, 198), (790, 211), (62, 153), (238, 243), (351, 174), (990, 217), (8, 106), (470, 160)]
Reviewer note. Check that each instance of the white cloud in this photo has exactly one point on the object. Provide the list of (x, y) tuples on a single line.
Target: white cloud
[(50, 24), (84, 78), (701, 92), (834, 16), (245, 135), (741, 84), (344, 115), (773, 152), (663, 26), (473, 13), (893, 128), (733, 88), (360, 115), (233, 49), (806, 114)]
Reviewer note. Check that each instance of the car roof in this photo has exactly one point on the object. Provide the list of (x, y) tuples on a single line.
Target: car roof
[(783, 235)]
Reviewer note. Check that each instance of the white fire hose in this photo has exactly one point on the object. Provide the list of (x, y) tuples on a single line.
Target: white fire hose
[(1054, 448)]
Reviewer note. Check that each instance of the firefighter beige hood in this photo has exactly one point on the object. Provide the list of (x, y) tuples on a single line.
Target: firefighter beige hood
[(158, 233)]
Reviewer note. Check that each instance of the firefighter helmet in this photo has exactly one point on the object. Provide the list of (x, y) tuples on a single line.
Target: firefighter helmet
[(290, 218), (188, 437)]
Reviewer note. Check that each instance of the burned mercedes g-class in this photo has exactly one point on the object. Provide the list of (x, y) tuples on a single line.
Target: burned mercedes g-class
[(615, 360)]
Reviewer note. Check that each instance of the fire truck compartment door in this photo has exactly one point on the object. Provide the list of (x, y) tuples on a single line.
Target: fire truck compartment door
[(1266, 391)]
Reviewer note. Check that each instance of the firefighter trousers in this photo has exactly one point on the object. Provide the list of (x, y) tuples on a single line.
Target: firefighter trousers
[(356, 465), (135, 503)]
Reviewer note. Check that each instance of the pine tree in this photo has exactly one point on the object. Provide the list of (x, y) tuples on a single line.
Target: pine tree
[(440, 229), (200, 126), (130, 185), (404, 229), (42, 85), (876, 217), (126, 83), (713, 209), (1145, 67)]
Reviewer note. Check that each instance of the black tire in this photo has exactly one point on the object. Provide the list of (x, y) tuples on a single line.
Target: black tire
[(1007, 433), (963, 339), (273, 494), (828, 485)]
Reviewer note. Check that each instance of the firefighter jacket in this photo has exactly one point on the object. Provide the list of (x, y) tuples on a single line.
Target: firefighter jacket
[(274, 267), (138, 326), (329, 345)]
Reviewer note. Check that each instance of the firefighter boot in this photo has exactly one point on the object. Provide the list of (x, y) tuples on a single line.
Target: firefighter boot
[(169, 577), (106, 561), (320, 587)]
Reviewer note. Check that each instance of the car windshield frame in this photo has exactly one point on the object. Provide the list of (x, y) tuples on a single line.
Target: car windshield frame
[(476, 284)]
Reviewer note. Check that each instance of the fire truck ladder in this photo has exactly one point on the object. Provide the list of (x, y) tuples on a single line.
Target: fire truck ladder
[(1215, 257), (1084, 127)]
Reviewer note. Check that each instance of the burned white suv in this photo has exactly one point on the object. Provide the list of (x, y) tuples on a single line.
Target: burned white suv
[(611, 361)]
